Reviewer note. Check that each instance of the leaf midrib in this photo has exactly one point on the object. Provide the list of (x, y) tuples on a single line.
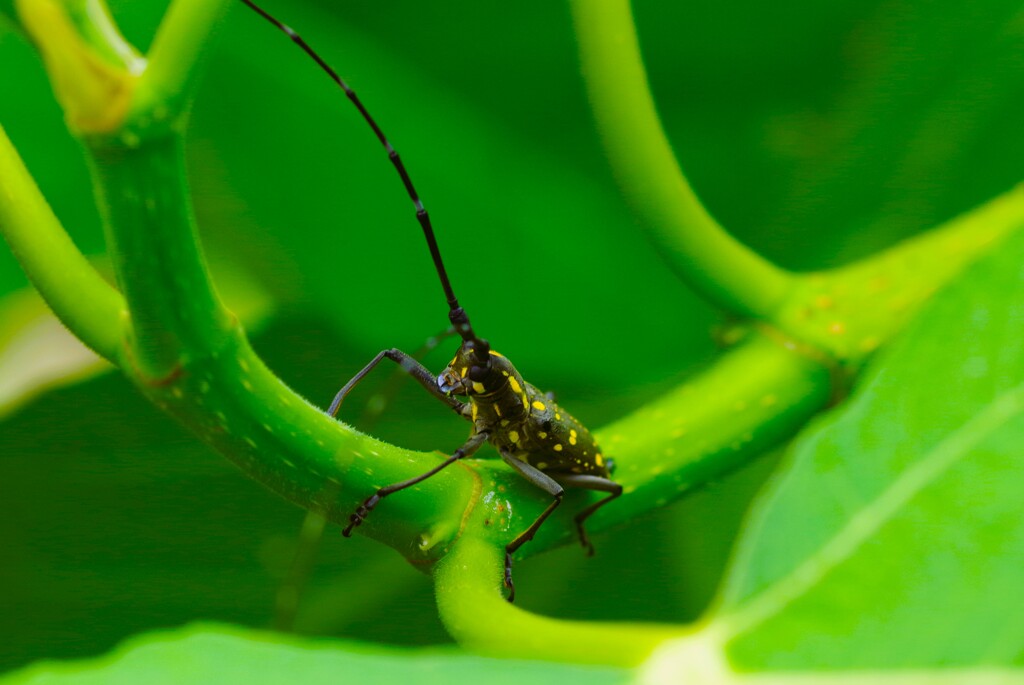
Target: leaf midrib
[(871, 517)]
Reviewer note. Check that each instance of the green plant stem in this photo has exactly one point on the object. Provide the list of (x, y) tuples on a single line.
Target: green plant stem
[(78, 295), (156, 255), (686, 235), (97, 28), (755, 396), (849, 312), (92, 69), (169, 81), (473, 608)]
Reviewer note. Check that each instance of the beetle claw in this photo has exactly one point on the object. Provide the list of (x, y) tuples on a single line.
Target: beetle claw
[(360, 514), (508, 578)]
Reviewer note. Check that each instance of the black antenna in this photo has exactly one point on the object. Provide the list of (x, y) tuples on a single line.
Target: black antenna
[(456, 314)]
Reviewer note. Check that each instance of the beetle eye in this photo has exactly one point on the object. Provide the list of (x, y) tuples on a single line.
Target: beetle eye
[(479, 373)]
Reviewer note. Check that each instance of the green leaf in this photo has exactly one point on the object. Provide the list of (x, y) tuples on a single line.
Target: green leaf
[(896, 537), (225, 654)]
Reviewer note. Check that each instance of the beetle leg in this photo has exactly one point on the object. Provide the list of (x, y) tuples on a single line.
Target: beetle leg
[(544, 482), (364, 509), (589, 482), (420, 374)]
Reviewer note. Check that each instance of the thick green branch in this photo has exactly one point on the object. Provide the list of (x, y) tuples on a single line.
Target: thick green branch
[(688, 237), (153, 244), (850, 312), (750, 399), (79, 296)]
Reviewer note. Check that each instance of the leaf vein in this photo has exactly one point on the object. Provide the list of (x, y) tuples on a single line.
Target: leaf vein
[(873, 516)]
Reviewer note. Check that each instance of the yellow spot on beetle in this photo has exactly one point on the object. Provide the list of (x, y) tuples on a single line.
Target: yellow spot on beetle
[(542, 465), (515, 385), (478, 386), (539, 406), (542, 435), (497, 354), (497, 410), (558, 417), (526, 402), (464, 371), (558, 448), (513, 436), (476, 410), (572, 439), (598, 459)]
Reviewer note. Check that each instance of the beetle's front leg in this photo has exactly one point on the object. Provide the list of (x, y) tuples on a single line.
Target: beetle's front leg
[(408, 364)]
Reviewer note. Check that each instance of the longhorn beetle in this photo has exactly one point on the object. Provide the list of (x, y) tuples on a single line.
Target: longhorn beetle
[(533, 435)]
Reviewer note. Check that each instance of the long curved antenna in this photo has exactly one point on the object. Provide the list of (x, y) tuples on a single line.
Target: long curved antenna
[(456, 314)]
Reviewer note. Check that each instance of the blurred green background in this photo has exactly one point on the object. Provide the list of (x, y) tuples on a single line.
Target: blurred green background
[(817, 132)]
